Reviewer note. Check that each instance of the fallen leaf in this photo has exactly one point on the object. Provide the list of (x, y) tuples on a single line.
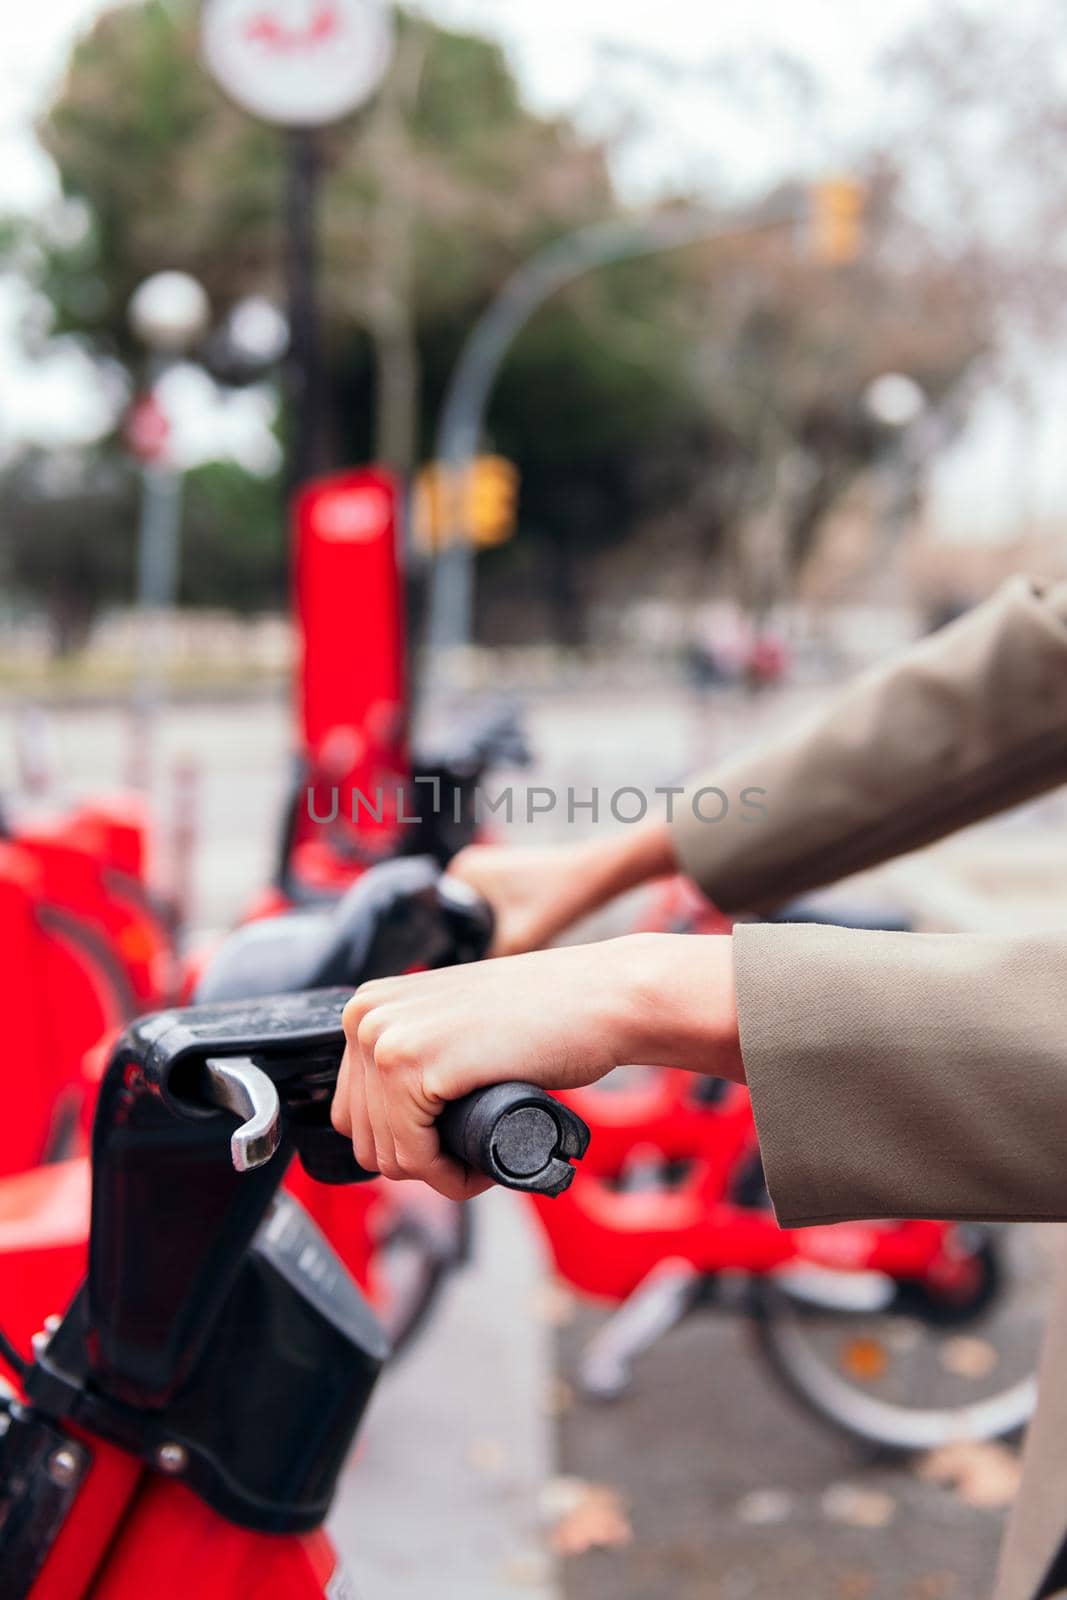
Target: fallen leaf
[(526, 1570), (554, 1305), (985, 1475), (934, 1586), (487, 1456), (559, 1397), (858, 1508), (764, 1507), (588, 1516), (967, 1357)]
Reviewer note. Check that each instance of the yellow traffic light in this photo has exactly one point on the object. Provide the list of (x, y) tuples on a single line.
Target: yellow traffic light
[(479, 505), (492, 501), (836, 221)]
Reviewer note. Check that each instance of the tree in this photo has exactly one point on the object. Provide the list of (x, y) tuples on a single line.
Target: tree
[(671, 405), (68, 537)]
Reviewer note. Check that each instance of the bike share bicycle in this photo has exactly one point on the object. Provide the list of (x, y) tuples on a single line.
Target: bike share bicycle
[(86, 948), (863, 1321), (182, 1425)]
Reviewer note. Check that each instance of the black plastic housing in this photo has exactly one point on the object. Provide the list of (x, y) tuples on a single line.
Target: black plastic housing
[(215, 1318)]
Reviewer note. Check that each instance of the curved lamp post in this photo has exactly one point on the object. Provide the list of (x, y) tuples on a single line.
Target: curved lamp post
[(169, 314), (475, 374)]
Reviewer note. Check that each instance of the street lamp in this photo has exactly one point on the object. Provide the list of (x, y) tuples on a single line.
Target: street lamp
[(249, 344), (470, 389), (169, 313), (894, 400), (898, 406)]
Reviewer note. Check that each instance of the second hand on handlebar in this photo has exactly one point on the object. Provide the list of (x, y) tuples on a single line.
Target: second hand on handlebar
[(514, 1133)]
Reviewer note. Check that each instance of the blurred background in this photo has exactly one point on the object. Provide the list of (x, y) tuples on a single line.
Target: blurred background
[(767, 379)]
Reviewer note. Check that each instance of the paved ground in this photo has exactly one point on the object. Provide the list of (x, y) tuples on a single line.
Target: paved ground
[(736, 1494), (733, 1492)]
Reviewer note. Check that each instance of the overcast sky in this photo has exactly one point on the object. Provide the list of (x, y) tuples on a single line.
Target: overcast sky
[(571, 56), (559, 48)]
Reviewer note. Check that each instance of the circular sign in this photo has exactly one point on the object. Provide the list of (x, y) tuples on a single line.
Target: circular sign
[(301, 63), (353, 516)]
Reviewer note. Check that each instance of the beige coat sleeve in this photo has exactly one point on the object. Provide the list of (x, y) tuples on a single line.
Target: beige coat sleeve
[(911, 1074), (906, 1074), (967, 723)]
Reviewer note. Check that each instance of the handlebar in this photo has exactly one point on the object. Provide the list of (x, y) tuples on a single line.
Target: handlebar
[(514, 1133), (517, 1135), (399, 915)]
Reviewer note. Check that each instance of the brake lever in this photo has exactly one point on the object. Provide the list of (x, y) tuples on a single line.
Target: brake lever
[(238, 1085)]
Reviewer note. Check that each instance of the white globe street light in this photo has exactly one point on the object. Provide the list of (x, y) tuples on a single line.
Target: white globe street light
[(169, 312), (894, 400), (258, 331)]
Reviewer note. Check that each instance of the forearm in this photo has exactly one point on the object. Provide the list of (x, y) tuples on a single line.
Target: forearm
[(607, 867), (677, 1003), (967, 723)]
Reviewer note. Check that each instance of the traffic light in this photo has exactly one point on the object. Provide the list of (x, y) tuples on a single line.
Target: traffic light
[(479, 505), (492, 501), (836, 221)]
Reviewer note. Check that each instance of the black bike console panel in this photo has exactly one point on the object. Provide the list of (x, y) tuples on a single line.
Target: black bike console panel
[(171, 1218), (397, 916), (216, 1320), (261, 1426)]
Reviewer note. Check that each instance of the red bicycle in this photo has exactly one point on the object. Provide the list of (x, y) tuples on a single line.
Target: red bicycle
[(906, 1334), (86, 949), (181, 1426)]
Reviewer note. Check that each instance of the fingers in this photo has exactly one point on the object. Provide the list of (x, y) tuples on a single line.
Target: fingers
[(382, 1101), (385, 1160), (454, 1181), (350, 1113), (340, 1110)]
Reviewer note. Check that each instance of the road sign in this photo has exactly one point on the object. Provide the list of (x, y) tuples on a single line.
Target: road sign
[(349, 611), (479, 504), (298, 63), (147, 430)]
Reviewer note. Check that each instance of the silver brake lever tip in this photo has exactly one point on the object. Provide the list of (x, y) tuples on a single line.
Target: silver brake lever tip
[(245, 1089)]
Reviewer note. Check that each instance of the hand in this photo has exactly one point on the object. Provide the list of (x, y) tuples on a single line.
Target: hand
[(536, 894), (555, 1018)]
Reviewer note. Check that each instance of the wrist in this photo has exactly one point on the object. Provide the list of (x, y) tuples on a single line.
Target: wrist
[(625, 861), (679, 1004)]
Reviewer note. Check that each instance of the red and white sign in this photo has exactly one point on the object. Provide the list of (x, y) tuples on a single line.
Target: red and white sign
[(147, 429), (354, 514), (300, 63), (350, 614)]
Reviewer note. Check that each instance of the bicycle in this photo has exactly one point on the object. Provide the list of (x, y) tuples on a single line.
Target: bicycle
[(670, 1212), (181, 1427)]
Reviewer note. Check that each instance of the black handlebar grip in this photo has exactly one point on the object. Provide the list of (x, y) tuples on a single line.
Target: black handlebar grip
[(325, 1155), (517, 1135)]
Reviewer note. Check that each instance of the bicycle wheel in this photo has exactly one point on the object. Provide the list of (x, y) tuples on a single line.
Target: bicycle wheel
[(906, 1372), (418, 1241)]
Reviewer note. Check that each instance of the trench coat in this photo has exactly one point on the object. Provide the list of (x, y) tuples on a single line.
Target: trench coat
[(908, 1074)]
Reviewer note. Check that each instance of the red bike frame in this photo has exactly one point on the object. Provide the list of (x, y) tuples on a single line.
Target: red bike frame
[(85, 950), (130, 1533)]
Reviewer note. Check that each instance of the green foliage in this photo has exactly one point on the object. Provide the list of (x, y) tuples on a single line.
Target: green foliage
[(67, 537), (233, 543)]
